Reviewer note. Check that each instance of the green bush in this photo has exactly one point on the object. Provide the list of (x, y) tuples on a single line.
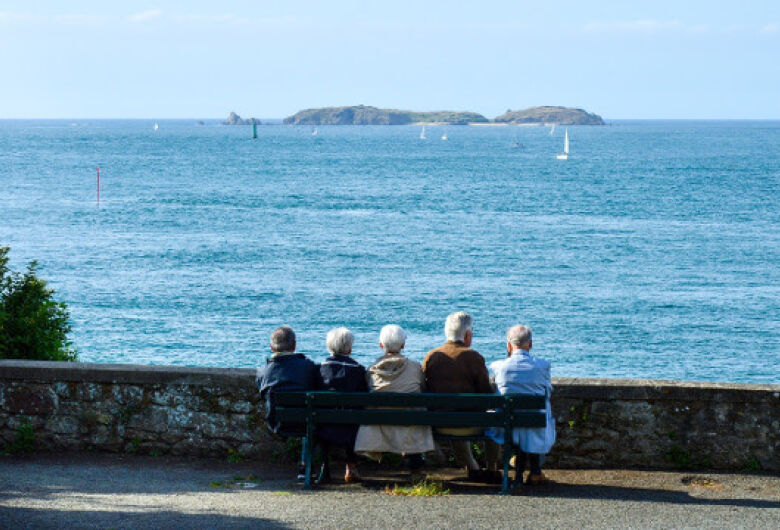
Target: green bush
[(32, 324)]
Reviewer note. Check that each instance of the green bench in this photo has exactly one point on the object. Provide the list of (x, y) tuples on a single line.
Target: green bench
[(435, 410)]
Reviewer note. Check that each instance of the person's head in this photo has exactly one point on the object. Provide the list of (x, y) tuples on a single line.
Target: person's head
[(392, 338), (339, 341), (458, 328), (518, 338), (283, 340)]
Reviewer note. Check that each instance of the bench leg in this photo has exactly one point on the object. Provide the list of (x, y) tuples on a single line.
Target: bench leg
[(307, 461), (507, 455)]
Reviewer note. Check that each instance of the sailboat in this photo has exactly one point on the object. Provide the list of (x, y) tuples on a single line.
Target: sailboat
[(155, 126), (422, 133), (444, 136), (315, 132), (552, 129), (565, 155)]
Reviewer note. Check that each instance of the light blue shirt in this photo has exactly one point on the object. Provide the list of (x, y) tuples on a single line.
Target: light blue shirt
[(523, 374)]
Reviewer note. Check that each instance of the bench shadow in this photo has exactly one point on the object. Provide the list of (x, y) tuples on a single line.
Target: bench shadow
[(625, 493), (461, 486), (48, 518)]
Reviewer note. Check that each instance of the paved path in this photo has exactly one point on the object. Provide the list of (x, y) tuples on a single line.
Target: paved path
[(106, 491)]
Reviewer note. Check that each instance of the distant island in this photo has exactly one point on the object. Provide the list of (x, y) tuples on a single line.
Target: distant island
[(558, 115), (366, 115), (235, 119)]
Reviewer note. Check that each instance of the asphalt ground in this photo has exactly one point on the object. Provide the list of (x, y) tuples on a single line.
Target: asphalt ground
[(110, 491)]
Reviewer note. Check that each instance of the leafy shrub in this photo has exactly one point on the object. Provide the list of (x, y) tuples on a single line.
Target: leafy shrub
[(32, 324)]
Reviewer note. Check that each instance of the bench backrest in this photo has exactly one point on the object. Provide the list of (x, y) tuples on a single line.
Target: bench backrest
[(385, 408)]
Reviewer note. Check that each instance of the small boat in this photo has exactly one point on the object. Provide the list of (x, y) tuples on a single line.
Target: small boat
[(315, 132), (565, 155), (552, 129), (254, 131), (518, 145), (444, 136), (155, 126), (422, 133)]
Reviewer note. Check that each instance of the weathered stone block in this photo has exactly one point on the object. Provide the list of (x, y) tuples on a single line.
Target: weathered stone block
[(63, 425), (89, 392), (30, 400), (152, 418)]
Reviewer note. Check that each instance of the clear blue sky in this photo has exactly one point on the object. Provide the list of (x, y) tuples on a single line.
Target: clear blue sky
[(161, 59)]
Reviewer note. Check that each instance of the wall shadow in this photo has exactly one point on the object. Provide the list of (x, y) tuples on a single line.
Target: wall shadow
[(45, 518)]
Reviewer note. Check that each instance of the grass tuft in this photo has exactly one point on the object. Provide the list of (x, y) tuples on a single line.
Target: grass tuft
[(423, 488)]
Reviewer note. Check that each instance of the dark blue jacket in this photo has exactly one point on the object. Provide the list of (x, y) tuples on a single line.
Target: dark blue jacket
[(285, 372), (341, 373)]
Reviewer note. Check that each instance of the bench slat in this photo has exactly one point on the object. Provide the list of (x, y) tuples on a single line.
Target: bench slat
[(412, 417), (466, 402)]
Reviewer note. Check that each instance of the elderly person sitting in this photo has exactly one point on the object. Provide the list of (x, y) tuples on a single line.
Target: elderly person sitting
[(520, 373), (455, 367), (395, 373), (285, 370), (340, 373)]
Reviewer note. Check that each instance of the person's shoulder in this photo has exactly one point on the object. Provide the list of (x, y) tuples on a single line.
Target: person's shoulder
[(541, 362), (497, 365), (471, 355)]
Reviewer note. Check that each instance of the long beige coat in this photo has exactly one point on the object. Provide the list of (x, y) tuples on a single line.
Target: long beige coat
[(394, 373)]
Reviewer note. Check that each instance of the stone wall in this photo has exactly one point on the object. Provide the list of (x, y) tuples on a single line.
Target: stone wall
[(212, 411)]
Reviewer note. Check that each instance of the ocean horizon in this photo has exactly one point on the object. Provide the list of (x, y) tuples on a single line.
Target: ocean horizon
[(652, 252)]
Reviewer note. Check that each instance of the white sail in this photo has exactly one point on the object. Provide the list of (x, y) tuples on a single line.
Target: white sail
[(552, 129), (155, 126), (565, 154), (422, 133), (444, 136)]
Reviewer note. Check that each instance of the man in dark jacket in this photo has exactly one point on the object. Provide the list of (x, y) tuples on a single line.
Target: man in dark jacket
[(340, 373), (455, 368), (285, 370)]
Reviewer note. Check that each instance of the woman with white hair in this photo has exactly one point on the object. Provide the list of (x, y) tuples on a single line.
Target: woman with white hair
[(340, 373), (395, 373)]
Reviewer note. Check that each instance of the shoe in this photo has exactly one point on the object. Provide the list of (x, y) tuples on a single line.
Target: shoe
[(537, 480), (351, 475)]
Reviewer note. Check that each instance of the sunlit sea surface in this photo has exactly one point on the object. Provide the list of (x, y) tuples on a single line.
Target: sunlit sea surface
[(653, 252)]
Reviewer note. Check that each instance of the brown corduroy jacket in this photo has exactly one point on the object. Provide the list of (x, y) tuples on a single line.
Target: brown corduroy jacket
[(456, 368)]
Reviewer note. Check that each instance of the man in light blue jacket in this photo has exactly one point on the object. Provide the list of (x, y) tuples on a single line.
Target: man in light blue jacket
[(520, 373)]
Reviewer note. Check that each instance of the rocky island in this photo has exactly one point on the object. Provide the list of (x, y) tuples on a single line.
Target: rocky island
[(365, 115), (557, 115), (235, 119)]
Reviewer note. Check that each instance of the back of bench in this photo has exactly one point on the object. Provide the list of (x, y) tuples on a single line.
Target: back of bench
[(385, 408)]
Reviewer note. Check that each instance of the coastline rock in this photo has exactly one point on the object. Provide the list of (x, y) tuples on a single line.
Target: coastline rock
[(557, 115), (235, 119), (366, 115)]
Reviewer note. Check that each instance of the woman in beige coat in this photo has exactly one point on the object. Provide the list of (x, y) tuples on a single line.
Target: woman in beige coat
[(395, 373)]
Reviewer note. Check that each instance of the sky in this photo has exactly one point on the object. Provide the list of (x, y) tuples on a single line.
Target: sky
[(159, 59)]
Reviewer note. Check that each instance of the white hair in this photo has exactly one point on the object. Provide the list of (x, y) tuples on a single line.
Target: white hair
[(456, 326), (339, 341), (393, 338), (518, 335)]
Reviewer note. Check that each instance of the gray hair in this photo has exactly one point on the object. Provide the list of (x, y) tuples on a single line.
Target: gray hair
[(456, 326), (518, 335), (339, 341), (283, 339), (393, 338)]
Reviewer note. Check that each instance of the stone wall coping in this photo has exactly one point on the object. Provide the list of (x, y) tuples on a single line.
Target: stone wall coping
[(565, 387)]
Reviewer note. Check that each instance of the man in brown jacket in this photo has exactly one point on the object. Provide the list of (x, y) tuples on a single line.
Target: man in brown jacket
[(455, 368)]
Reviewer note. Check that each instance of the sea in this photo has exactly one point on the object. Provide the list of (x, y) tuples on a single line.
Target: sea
[(652, 252)]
